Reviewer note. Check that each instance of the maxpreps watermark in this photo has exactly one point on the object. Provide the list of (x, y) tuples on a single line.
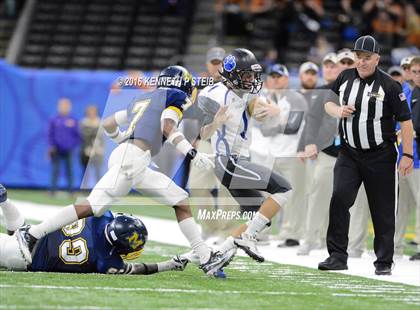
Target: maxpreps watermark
[(217, 215), (152, 81)]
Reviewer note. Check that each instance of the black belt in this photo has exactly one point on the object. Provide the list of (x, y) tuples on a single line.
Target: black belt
[(382, 146)]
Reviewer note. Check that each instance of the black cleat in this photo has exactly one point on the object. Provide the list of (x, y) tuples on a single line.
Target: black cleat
[(415, 256), (383, 270), (289, 243), (26, 242), (332, 263)]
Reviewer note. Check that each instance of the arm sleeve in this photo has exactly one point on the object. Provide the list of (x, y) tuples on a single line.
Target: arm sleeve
[(209, 108), (138, 268), (398, 102), (293, 122), (314, 118)]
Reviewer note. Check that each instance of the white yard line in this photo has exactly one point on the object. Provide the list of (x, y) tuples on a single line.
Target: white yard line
[(54, 307), (158, 290), (167, 231)]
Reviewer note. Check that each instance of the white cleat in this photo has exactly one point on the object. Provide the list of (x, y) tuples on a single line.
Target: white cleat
[(26, 243), (249, 245), (191, 256)]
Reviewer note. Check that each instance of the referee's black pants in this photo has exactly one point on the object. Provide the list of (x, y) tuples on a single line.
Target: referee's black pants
[(377, 170)]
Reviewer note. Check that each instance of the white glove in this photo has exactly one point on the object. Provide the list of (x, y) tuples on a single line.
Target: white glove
[(203, 160)]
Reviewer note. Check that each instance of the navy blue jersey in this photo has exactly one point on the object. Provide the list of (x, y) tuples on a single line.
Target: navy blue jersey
[(144, 113), (80, 247)]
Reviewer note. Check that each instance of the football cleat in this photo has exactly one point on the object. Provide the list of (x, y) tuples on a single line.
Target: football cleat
[(191, 256), (179, 263), (217, 261), (26, 242), (3, 194), (249, 245)]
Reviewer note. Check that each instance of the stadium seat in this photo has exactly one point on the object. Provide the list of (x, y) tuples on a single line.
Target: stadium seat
[(108, 33), (85, 50)]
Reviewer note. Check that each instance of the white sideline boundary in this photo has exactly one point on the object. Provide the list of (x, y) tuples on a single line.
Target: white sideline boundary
[(167, 231)]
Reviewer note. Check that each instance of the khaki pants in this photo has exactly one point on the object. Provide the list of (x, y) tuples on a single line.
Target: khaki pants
[(358, 230), (319, 195), (409, 199), (294, 217)]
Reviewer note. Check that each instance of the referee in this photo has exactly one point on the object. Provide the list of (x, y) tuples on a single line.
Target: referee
[(370, 102)]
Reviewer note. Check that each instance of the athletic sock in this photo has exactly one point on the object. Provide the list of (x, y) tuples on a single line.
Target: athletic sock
[(227, 245), (190, 230), (65, 216), (13, 218), (256, 225)]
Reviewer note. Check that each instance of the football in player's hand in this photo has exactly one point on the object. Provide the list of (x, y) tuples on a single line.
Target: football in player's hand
[(256, 104)]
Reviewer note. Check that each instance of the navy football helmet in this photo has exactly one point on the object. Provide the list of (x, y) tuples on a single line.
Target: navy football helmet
[(127, 234), (242, 71), (176, 77)]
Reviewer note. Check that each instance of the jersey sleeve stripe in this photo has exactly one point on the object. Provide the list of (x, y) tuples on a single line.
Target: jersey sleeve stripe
[(177, 110)]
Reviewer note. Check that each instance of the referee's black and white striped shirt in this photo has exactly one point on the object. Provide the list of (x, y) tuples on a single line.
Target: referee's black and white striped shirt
[(379, 103)]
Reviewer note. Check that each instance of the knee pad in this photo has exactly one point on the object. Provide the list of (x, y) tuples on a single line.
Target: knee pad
[(281, 198)]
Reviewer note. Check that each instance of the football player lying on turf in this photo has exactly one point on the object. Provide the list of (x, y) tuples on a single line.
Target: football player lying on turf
[(91, 245), (152, 118)]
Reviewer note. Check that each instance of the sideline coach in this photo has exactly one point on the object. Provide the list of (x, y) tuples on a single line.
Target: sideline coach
[(370, 103)]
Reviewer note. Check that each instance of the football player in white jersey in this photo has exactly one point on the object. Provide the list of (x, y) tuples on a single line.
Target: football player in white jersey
[(227, 107)]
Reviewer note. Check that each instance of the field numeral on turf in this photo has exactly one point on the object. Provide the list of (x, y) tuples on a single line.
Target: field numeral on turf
[(74, 252)]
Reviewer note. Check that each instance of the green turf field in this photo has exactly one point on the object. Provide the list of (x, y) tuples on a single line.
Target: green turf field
[(249, 286), (165, 212)]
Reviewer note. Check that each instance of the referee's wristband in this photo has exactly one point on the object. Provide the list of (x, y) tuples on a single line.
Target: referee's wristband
[(408, 155)]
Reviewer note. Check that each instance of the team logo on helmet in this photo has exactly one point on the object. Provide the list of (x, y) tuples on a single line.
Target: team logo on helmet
[(229, 63), (134, 241)]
